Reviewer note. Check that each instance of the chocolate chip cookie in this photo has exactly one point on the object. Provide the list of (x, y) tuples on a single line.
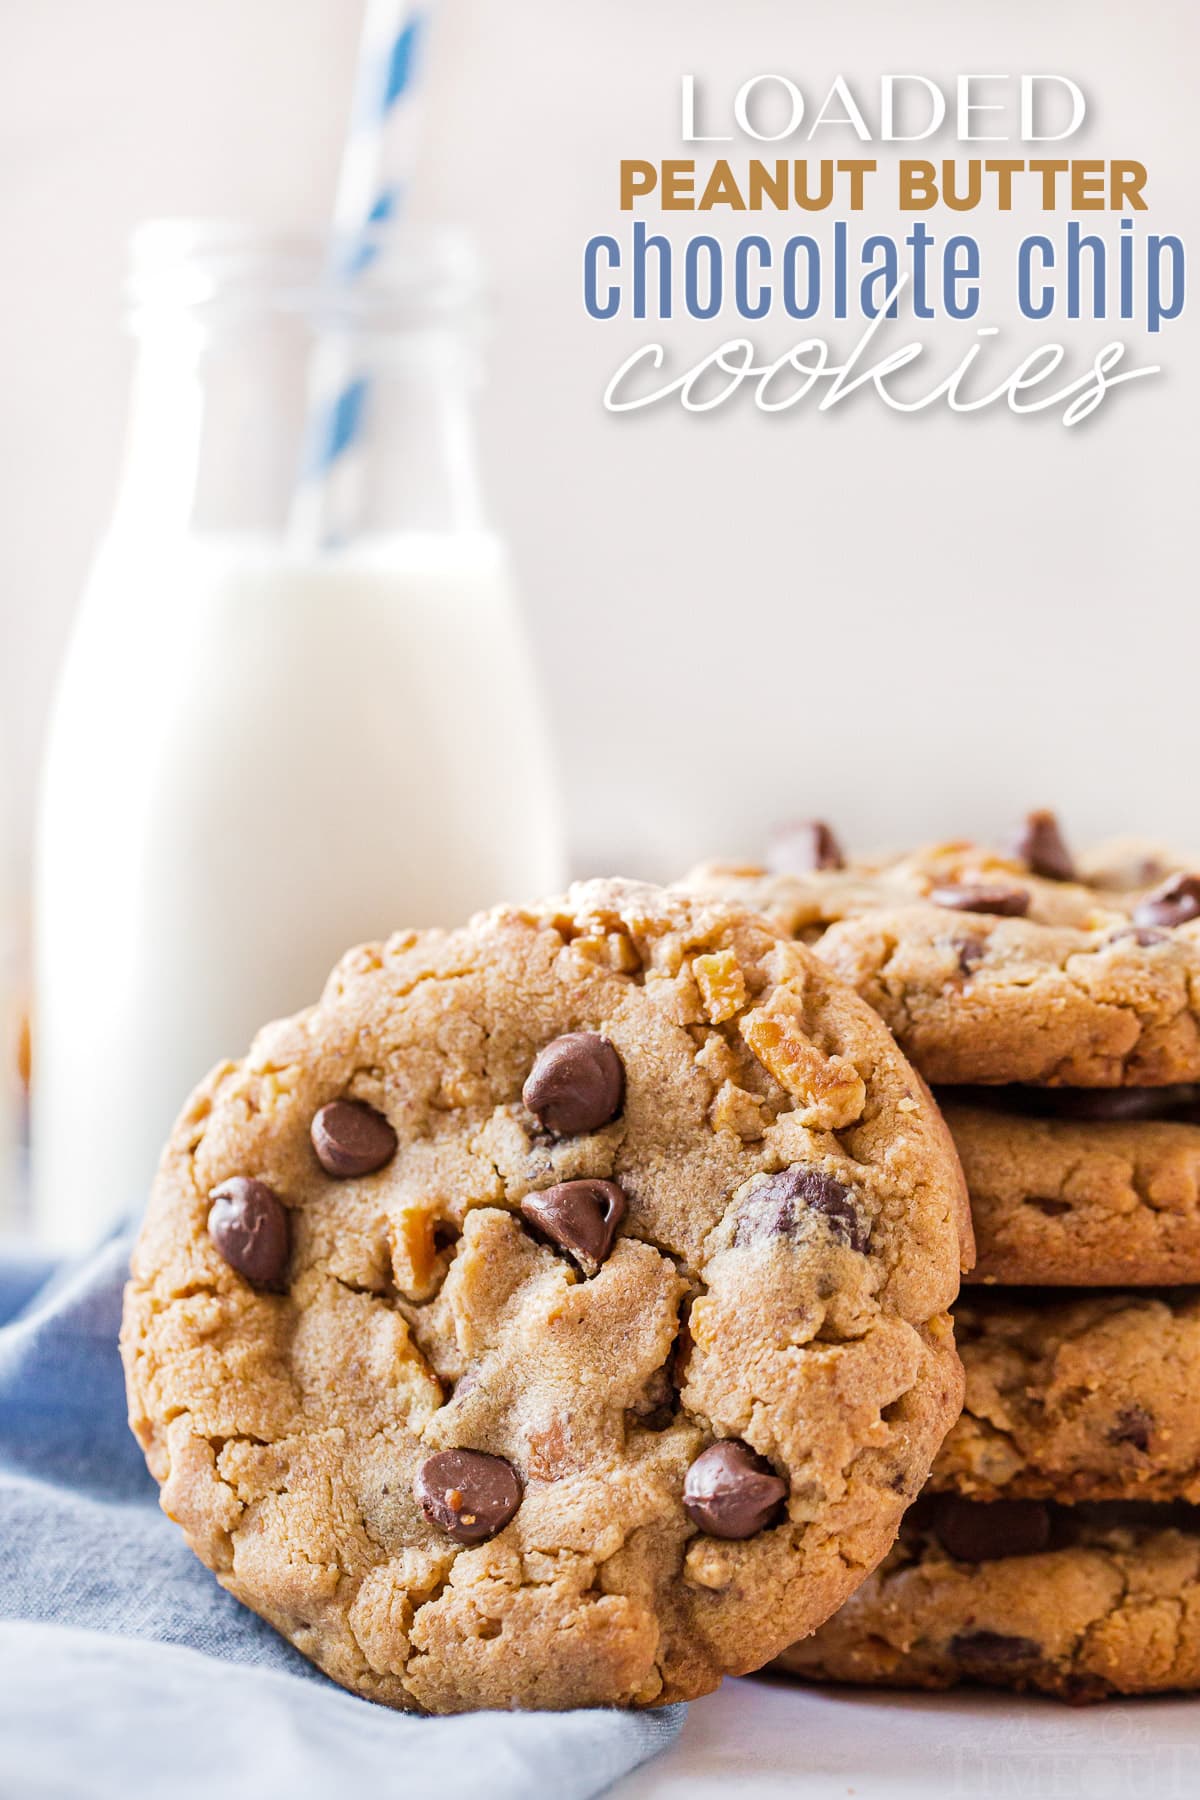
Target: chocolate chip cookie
[(1076, 1397), (1079, 1602), (1101, 1191), (998, 967), (556, 1314)]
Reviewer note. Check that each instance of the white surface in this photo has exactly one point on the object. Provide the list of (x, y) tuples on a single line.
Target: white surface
[(239, 789), (764, 1738)]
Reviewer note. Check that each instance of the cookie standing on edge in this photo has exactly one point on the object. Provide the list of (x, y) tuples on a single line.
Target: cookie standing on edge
[(556, 1314)]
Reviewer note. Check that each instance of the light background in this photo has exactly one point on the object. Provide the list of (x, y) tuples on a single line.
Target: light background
[(914, 625)]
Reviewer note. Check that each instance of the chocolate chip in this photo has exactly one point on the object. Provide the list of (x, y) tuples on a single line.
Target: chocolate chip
[(467, 1494), (1134, 1426), (1174, 903), (248, 1223), (1084, 1690), (979, 1651), (732, 1493), (654, 1408), (1053, 1209), (1039, 844), (681, 1354), (777, 1207), (351, 1138), (970, 951), (802, 846), (978, 1531), (1143, 935), (1106, 1105), (1008, 902), (580, 1217), (1177, 1100), (576, 1084)]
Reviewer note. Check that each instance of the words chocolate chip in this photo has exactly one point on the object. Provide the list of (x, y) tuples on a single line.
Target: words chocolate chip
[(577, 1084), (468, 1494), (732, 1493), (978, 1531), (778, 1205), (1039, 844), (978, 1651), (802, 846), (1008, 902), (248, 1223), (581, 1217), (351, 1138), (1174, 903)]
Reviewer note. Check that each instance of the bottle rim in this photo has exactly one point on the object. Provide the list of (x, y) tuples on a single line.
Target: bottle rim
[(395, 272)]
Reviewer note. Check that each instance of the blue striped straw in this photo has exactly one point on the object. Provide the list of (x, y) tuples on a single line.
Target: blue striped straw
[(376, 165)]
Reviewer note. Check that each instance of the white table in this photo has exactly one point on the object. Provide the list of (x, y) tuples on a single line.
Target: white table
[(761, 1737)]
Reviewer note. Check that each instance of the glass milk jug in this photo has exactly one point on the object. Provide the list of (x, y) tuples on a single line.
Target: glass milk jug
[(297, 711)]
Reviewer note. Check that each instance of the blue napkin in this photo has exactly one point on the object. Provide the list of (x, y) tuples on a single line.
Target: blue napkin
[(126, 1671)]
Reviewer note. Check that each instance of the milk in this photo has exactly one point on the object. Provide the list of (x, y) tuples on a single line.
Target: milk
[(258, 759)]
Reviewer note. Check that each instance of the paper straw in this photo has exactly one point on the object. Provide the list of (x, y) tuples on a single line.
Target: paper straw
[(376, 166)]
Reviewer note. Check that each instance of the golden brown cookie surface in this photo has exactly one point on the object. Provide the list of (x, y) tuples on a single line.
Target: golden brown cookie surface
[(1078, 1602), (1005, 967), (450, 1291), (1078, 1201), (1076, 1397)]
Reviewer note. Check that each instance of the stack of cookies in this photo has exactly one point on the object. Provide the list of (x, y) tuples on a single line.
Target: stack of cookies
[(1055, 1008)]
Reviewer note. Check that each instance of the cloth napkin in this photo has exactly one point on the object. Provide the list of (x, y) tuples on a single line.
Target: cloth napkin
[(125, 1671)]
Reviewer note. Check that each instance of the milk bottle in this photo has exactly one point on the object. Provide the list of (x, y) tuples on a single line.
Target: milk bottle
[(266, 747)]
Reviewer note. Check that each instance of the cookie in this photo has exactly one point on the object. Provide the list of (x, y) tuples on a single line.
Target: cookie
[(1076, 1397), (1078, 1602), (995, 998), (802, 906), (1002, 967), (1090, 1201), (807, 882), (1130, 865), (556, 1314)]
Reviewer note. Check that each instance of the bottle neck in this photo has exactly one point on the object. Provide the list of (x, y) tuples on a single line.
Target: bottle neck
[(265, 423)]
